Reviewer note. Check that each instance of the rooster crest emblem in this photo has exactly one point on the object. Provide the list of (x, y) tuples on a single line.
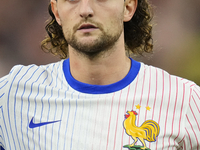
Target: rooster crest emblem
[(149, 131)]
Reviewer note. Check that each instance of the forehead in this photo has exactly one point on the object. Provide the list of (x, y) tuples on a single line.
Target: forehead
[(101, 2)]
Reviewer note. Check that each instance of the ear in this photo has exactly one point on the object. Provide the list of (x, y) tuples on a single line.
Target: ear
[(129, 9), (54, 9)]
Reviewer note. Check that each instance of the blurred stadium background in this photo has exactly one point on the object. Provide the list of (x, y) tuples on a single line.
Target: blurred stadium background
[(176, 36)]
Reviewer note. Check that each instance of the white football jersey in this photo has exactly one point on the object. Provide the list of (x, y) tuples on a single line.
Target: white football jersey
[(45, 108)]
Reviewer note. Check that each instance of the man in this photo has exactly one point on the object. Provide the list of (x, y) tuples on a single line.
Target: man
[(98, 98)]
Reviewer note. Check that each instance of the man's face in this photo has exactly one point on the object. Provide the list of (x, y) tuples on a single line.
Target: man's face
[(91, 26)]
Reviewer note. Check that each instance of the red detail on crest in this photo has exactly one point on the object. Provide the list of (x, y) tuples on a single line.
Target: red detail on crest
[(134, 112), (127, 115)]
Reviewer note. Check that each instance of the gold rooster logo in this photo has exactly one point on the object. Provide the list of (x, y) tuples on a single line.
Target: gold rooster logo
[(149, 130)]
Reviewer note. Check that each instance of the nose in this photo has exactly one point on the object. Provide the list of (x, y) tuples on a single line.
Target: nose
[(86, 9)]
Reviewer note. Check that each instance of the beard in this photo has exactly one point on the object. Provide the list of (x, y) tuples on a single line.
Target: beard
[(100, 45)]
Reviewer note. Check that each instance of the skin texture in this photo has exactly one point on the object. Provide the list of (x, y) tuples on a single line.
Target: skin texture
[(94, 31)]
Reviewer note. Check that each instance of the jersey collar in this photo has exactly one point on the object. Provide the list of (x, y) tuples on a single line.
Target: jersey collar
[(101, 89)]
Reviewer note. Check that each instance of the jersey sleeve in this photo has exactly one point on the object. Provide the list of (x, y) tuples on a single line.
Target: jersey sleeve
[(4, 87), (192, 126), (4, 83)]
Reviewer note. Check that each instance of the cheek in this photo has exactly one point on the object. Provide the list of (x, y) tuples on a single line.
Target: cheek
[(116, 15), (67, 24), (117, 21), (67, 32), (66, 17)]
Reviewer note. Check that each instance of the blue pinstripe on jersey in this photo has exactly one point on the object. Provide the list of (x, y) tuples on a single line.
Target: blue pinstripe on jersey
[(38, 91), (61, 118), (48, 114), (54, 118), (0, 135), (15, 114), (74, 123), (88, 122), (22, 103), (4, 84), (29, 101), (5, 78), (41, 114), (55, 105), (61, 111), (80, 125), (2, 95), (40, 74), (67, 121), (49, 102), (8, 105), (3, 138), (5, 128), (35, 111), (41, 102), (34, 99)]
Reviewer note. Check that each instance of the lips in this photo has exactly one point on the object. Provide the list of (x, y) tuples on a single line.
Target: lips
[(87, 26)]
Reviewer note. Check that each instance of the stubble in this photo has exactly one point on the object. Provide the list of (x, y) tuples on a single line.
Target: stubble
[(106, 39)]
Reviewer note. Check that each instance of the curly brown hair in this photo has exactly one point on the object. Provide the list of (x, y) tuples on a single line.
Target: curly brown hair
[(137, 33)]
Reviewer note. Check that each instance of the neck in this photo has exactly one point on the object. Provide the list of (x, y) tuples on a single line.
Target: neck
[(108, 68)]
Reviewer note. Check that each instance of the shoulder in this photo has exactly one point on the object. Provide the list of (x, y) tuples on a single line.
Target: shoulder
[(160, 74), (23, 74), (20, 70), (162, 80)]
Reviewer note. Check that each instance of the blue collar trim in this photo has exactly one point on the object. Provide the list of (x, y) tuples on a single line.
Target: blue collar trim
[(101, 89)]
